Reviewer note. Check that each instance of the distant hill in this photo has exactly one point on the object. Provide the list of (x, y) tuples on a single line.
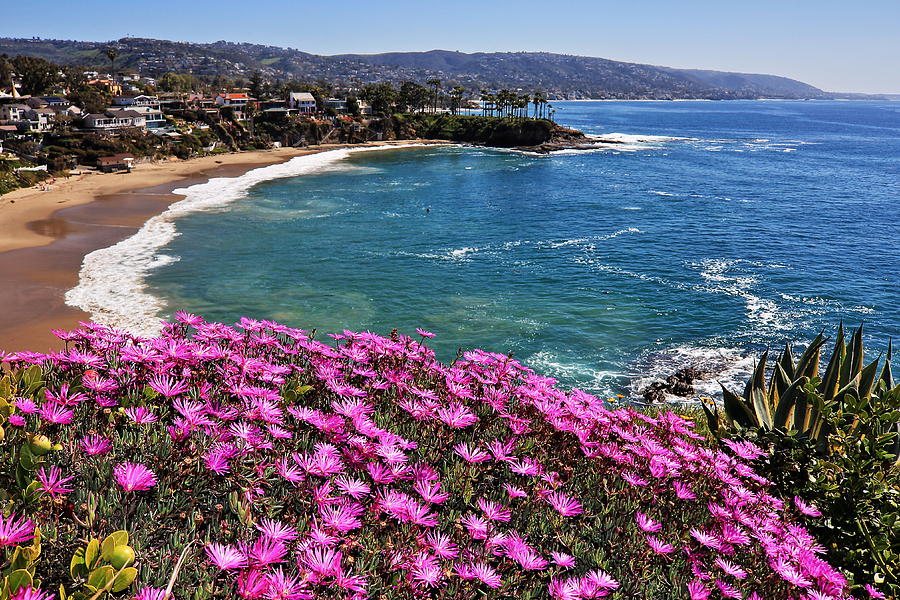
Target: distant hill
[(558, 75)]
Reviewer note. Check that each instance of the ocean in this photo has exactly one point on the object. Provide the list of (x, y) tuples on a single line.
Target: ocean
[(710, 232)]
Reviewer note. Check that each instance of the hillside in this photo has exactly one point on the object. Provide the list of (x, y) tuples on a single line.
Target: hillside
[(558, 75)]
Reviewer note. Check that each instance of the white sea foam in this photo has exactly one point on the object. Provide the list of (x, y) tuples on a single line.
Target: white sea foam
[(728, 366), (659, 193), (592, 379), (112, 285)]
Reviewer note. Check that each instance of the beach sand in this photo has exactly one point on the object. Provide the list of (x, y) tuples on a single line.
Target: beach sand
[(44, 235)]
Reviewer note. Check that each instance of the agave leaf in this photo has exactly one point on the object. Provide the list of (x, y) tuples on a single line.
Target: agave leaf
[(886, 375), (762, 407), (808, 365), (784, 409), (867, 379), (802, 411), (830, 382), (853, 363), (787, 362), (712, 417), (737, 409)]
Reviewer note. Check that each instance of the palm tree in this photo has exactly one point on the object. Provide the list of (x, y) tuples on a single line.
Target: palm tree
[(436, 84), (456, 98), (111, 54)]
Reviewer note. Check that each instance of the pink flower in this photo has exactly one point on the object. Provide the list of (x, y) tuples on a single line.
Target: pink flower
[(95, 445), (873, 592), (562, 560), (30, 593), (134, 477), (52, 482), (646, 523), (14, 530), (276, 530), (807, 509), (57, 413), (494, 511), (658, 546), (424, 334), (564, 505), (151, 593), (140, 415), (697, 590), (471, 455), (731, 568)]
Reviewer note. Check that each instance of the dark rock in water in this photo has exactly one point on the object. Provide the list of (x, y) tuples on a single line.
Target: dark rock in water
[(561, 138), (680, 383)]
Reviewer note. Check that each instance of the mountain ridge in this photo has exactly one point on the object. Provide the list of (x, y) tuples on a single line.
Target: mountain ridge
[(558, 75)]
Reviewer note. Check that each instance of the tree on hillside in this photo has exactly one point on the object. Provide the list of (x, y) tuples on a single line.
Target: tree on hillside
[(36, 75), (413, 97), (435, 84), (111, 54), (381, 96), (89, 99), (456, 98), (256, 85), (6, 73), (539, 103)]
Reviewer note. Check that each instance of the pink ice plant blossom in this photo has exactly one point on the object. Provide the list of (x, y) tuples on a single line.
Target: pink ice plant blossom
[(134, 477)]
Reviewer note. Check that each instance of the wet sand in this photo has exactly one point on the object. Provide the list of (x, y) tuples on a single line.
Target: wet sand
[(44, 239)]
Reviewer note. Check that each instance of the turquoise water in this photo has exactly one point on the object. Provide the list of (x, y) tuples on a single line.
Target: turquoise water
[(733, 226)]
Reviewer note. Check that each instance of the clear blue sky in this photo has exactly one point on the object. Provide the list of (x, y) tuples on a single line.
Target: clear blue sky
[(850, 45)]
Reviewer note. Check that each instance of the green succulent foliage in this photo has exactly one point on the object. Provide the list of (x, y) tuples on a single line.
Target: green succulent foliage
[(19, 568), (102, 568), (833, 438), (799, 401)]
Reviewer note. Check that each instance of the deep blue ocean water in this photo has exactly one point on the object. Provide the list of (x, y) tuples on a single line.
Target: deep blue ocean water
[(717, 229)]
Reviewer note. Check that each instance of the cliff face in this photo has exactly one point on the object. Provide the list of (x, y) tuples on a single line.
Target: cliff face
[(536, 135)]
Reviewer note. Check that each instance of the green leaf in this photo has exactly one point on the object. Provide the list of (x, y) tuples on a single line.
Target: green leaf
[(77, 568), (124, 579), (867, 379), (808, 365), (92, 553), (100, 576), (18, 579), (886, 376), (784, 410), (831, 381), (116, 538), (737, 410)]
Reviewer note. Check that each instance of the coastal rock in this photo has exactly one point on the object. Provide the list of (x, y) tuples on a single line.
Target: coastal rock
[(680, 383)]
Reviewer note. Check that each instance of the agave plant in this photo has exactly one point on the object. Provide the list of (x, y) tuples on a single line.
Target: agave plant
[(798, 400)]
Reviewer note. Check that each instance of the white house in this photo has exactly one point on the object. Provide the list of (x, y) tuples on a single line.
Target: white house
[(237, 101), (13, 112), (153, 117), (135, 101), (40, 119), (113, 120), (302, 101)]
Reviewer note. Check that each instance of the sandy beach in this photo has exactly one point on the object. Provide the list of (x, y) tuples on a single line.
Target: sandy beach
[(45, 234)]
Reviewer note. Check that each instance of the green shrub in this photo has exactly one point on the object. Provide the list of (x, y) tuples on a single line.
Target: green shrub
[(834, 441)]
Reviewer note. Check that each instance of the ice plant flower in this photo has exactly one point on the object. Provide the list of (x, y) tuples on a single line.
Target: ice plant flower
[(807, 509), (52, 482), (226, 557), (95, 445), (15, 530), (134, 477)]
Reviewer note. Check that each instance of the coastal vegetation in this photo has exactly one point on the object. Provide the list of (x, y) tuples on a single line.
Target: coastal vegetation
[(832, 436), (258, 461)]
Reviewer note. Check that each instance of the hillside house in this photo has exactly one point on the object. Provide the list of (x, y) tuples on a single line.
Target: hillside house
[(338, 105), (40, 119), (114, 120), (116, 162), (237, 100), (303, 102), (153, 117), (13, 112)]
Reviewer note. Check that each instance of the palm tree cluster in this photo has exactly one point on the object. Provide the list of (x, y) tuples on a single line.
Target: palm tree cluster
[(506, 103)]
